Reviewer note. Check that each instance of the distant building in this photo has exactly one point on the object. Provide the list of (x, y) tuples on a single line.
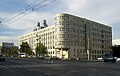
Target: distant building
[(0, 49), (72, 37), (116, 51), (7, 45)]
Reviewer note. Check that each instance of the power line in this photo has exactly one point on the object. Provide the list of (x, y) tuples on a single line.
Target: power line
[(22, 11), (8, 19), (27, 10), (33, 9)]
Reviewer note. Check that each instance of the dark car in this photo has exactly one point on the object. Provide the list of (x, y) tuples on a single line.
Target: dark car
[(2, 58), (110, 59)]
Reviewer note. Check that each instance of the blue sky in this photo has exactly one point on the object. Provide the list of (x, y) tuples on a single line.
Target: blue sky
[(103, 11)]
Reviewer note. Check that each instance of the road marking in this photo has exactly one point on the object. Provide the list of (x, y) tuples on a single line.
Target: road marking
[(29, 66), (47, 73), (74, 71), (3, 66)]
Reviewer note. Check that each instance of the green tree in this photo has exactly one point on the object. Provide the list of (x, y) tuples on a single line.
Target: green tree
[(25, 48), (41, 50), (15, 51), (10, 51)]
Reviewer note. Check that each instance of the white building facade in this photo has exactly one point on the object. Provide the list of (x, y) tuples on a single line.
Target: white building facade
[(72, 37)]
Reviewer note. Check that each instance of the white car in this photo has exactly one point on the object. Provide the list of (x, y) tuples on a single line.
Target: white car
[(22, 55), (118, 59), (99, 58)]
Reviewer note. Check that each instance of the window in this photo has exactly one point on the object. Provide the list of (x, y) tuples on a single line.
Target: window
[(74, 50), (73, 30), (77, 51)]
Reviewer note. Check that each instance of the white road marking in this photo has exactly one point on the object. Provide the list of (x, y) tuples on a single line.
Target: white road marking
[(3, 66), (47, 73)]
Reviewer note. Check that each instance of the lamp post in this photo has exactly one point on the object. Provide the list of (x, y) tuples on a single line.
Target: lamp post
[(62, 52), (88, 53)]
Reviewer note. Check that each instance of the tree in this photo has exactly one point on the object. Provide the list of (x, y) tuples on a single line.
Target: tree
[(11, 51), (41, 50), (25, 48)]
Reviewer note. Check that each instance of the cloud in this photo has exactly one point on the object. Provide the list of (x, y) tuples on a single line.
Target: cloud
[(28, 1), (29, 21), (74, 4), (98, 10)]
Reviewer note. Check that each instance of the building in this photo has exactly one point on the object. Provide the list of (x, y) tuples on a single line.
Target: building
[(72, 37), (7, 45), (0, 49), (116, 51)]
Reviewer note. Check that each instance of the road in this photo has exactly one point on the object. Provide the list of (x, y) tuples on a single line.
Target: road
[(41, 67)]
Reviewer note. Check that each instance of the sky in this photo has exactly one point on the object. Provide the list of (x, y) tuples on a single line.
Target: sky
[(17, 19)]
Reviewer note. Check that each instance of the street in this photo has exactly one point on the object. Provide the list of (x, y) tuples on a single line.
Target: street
[(42, 67)]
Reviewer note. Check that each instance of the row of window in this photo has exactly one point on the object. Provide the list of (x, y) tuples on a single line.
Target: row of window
[(101, 46), (95, 40), (62, 23), (101, 35), (62, 36), (92, 52), (82, 38), (62, 17), (78, 31), (61, 43), (86, 56), (78, 44), (45, 34), (100, 26), (35, 34), (61, 29), (65, 23)]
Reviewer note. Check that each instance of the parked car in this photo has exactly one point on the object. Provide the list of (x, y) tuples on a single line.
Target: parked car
[(110, 59), (2, 58), (54, 58), (100, 59), (118, 59), (47, 57), (22, 55), (41, 57)]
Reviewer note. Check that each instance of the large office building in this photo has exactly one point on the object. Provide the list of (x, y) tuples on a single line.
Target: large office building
[(72, 37)]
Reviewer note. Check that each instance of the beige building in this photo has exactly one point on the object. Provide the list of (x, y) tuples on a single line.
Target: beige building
[(72, 37)]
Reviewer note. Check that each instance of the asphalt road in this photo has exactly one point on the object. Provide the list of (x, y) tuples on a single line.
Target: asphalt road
[(41, 67)]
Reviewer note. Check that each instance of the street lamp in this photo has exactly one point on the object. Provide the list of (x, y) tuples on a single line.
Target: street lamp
[(88, 53)]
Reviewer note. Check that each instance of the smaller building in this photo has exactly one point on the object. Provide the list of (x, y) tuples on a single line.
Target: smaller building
[(6, 48), (0, 49), (116, 51), (7, 45)]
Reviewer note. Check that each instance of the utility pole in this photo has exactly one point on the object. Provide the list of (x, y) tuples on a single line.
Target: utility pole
[(88, 53)]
